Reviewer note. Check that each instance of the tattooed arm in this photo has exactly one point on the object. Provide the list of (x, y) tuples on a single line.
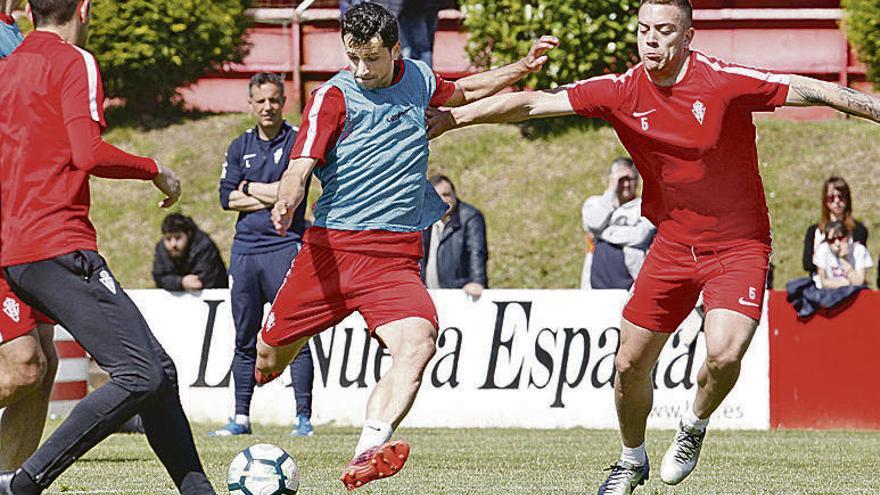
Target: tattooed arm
[(805, 92)]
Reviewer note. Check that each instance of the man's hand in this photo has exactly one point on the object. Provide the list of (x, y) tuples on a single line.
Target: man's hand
[(191, 282), (614, 178), (169, 184), (439, 121), (473, 290), (537, 57), (282, 217)]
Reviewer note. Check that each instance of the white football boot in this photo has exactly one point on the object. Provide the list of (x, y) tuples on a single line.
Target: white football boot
[(682, 456)]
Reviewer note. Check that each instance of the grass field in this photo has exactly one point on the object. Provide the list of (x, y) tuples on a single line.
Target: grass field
[(531, 191), (496, 461)]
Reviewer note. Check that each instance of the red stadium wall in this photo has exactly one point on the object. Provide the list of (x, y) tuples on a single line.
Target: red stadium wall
[(797, 36), (822, 371)]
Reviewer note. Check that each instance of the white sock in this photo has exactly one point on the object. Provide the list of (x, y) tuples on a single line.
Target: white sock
[(375, 433), (691, 421), (242, 419), (635, 456)]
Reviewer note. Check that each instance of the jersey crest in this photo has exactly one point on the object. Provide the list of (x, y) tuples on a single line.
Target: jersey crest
[(699, 111), (12, 309), (107, 281)]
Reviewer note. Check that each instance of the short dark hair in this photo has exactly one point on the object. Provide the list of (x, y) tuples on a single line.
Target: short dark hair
[(261, 78), (684, 5), (438, 178), (175, 222), (52, 12), (836, 226), (365, 20)]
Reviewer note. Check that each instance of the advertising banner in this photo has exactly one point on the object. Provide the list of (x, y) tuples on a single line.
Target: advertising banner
[(515, 358)]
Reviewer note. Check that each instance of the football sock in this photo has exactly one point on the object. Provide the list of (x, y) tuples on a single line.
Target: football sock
[(24, 485), (375, 433), (242, 419), (635, 455), (691, 421)]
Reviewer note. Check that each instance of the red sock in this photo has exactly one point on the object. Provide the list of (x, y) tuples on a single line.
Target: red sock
[(264, 379)]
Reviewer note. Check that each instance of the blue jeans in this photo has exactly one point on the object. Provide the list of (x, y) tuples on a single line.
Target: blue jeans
[(417, 36)]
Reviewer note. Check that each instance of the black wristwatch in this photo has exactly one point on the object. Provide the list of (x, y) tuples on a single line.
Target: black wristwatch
[(246, 188)]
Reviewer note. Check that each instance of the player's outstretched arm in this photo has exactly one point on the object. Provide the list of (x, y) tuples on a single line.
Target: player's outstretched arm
[(510, 107), (291, 192), (805, 91), (483, 84), (169, 184)]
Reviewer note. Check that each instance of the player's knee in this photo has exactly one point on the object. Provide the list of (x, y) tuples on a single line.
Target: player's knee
[(627, 365), (142, 381), (420, 351), (30, 374), (723, 361)]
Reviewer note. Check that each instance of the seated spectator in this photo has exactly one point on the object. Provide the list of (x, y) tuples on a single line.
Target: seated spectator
[(840, 261), (836, 206), (455, 247), (621, 235), (186, 258)]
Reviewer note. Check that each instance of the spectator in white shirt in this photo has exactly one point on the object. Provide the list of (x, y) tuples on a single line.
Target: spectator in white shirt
[(839, 260)]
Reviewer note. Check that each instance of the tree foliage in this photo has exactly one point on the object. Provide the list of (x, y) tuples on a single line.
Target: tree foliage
[(863, 31), (148, 48), (596, 36)]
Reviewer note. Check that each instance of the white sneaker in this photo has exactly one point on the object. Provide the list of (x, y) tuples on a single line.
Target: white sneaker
[(682, 456), (624, 478)]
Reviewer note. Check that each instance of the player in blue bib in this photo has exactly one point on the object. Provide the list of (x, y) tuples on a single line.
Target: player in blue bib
[(364, 136)]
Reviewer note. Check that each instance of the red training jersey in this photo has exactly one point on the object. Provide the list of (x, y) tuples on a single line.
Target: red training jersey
[(694, 144), (323, 121), (51, 89)]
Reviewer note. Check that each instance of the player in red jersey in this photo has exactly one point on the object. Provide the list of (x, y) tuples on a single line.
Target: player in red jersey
[(364, 135), (50, 145), (28, 361), (686, 119)]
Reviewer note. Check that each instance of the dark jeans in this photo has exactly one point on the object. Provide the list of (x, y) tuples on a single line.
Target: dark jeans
[(417, 36), (79, 292)]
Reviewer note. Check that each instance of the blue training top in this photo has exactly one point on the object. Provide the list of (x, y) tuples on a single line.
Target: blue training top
[(252, 159), (374, 177), (10, 38)]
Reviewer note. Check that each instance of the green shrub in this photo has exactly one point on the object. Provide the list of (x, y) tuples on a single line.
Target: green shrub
[(863, 31), (149, 48), (596, 36)]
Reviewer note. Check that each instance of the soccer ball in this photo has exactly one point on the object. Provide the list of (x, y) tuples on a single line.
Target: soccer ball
[(263, 469)]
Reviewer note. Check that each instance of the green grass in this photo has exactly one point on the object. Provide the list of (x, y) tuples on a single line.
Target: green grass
[(531, 191), (496, 461)]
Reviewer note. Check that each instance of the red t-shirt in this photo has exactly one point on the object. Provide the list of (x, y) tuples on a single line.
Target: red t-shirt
[(694, 145), (322, 123), (48, 86)]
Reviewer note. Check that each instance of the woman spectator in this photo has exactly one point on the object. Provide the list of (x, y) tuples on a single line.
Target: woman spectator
[(836, 207), (839, 260)]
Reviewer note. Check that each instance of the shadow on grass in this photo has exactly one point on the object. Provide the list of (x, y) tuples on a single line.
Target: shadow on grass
[(152, 118), (546, 128), (113, 460)]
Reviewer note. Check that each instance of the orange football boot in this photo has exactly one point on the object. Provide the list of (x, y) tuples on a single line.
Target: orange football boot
[(376, 463)]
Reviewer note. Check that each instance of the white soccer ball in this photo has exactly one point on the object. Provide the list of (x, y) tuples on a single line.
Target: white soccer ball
[(263, 469)]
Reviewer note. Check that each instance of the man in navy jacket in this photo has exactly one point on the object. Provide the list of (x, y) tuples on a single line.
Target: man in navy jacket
[(455, 246)]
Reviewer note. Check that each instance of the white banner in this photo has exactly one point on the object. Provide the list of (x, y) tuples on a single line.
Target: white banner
[(515, 358)]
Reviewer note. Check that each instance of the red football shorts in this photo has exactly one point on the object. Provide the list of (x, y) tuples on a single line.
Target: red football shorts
[(670, 281), (324, 286), (18, 318)]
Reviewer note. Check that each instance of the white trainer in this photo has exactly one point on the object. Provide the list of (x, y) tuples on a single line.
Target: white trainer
[(682, 456)]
